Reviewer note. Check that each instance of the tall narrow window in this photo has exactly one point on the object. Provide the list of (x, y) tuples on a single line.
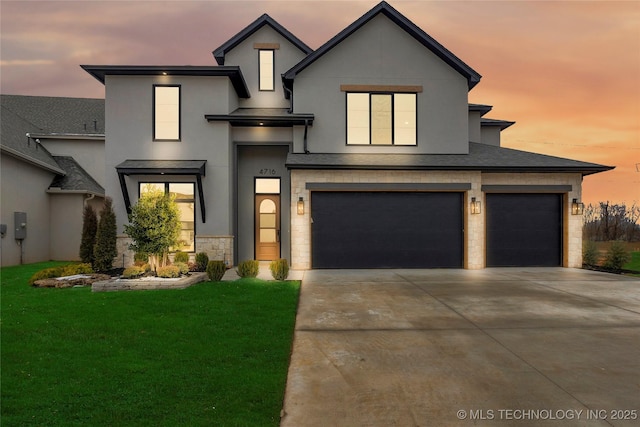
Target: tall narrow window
[(357, 118), (166, 113), (381, 118), (404, 118), (266, 69)]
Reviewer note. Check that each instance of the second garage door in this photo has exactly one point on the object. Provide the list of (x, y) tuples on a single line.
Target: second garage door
[(387, 230), (524, 230)]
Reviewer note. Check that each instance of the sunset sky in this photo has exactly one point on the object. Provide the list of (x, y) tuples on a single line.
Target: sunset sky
[(568, 73)]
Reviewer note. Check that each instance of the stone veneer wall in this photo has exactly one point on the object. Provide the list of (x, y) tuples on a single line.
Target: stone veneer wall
[(216, 248), (572, 239), (474, 257)]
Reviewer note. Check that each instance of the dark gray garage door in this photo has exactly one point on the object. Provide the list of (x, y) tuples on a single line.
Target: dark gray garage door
[(386, 230), (524, 230)]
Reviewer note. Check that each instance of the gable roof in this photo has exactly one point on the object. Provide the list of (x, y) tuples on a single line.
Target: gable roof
[(24, 117), (265, 19), (76, 179), (403, 22), (481, 157)]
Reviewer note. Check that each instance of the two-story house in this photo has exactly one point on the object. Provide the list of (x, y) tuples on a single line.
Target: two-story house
[(364, 153)]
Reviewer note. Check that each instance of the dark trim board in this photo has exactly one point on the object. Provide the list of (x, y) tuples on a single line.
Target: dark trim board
[(196, 168), (360, 229)]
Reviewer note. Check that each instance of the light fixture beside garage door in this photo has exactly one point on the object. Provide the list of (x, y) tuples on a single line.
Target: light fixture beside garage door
[(476, 206), (300, 206), (577, 208)]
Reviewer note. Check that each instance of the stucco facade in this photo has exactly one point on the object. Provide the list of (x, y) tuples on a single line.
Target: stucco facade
[(240, 144)]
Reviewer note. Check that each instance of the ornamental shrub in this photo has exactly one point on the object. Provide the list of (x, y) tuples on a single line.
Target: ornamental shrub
[(168, 272), (279, 269), (202, 259), (62, 271), (181, 257), (105, 249), (140, 257), (215, 270), (73, 269), (89, 230), (133, 272), (182, 267), (590, 253), (617, 256), (154, 226), (248, 268)]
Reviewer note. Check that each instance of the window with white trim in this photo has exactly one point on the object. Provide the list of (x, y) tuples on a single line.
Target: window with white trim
[(166, 113), (381, 118)]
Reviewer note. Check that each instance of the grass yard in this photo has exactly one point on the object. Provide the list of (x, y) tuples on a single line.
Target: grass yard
[(211, 354), (634, 264)]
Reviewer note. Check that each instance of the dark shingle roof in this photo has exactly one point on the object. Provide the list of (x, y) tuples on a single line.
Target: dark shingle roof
[(58, 114), (76, 178), (14, 141), (46, 116), (482, 157)]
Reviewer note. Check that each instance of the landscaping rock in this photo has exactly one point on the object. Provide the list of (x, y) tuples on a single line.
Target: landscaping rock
[(78, 280)]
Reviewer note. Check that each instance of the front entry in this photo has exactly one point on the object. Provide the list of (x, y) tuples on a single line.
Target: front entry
[(267, 228)]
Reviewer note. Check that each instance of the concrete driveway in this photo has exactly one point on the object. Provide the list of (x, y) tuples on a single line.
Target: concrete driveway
[(543, 346)]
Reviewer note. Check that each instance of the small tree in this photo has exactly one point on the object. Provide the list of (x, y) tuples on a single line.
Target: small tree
[(154, 226), (105, 249), (89, 230), (617, 256)]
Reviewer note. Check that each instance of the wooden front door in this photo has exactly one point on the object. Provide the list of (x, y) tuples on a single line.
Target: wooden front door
[(267, 228)]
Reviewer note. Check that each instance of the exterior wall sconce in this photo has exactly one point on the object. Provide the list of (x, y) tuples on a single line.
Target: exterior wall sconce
[(577, 208), (300, 206), (476, 206)]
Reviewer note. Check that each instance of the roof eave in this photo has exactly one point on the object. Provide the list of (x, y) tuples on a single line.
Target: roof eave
[(14, 153), (99, 72), (220, 52), (473, 77)]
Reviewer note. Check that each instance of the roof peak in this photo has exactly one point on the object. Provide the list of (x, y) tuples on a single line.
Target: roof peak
[(264, 19), (404, 23)]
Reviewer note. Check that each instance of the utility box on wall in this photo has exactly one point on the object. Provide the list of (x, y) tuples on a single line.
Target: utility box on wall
[(20, 221)]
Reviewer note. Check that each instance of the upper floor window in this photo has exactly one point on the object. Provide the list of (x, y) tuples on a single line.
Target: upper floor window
[(166, 113), (381, 118), (266, 69)]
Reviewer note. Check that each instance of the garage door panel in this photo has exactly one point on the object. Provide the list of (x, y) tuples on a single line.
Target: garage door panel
[(386, 230), (524, 230)]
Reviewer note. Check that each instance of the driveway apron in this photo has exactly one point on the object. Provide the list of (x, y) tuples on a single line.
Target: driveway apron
[(537, 346)]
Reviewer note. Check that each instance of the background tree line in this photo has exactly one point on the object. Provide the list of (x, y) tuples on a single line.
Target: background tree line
[(608, 221)]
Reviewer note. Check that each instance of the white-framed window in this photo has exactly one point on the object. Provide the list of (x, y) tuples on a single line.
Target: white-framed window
[(266, 69), (166, 113), (381, 118), (184, 193)]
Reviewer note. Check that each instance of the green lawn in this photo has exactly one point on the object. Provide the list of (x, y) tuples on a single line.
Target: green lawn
[(634, 264), (212, 354)]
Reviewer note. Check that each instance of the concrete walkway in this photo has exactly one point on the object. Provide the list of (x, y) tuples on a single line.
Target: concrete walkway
[(544, 346)]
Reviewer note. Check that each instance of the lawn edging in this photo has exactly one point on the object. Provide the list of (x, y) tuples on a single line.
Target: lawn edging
[(147, 283)]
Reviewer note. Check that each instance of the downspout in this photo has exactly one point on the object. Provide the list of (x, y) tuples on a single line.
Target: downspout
[(290, 92), (306, 126), (88, 198)]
